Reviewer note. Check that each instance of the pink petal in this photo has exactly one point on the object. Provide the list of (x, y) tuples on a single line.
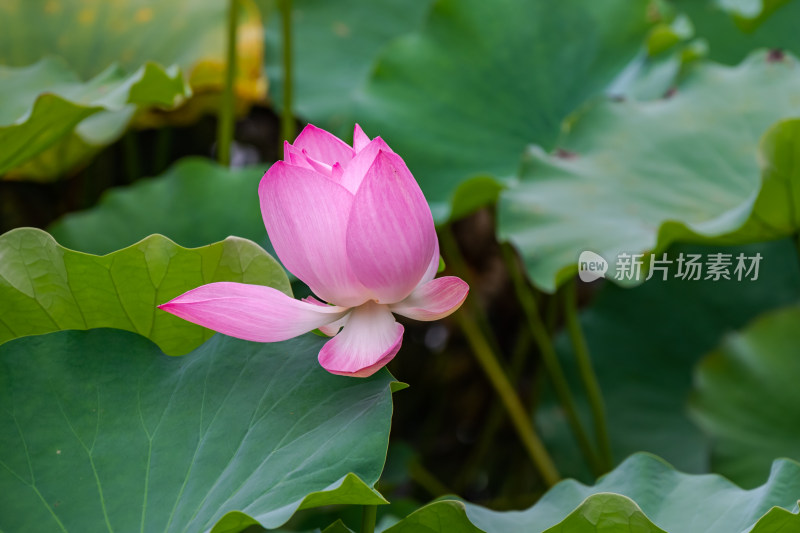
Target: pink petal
[(306, 216), (357, 168), (390, 235), (323, 146), (333, 328), (251, 312), (360, 139), (295, 156), (433, 300), (370, 338), (329, 329), (319, 166), (433, 266), (337, 172)]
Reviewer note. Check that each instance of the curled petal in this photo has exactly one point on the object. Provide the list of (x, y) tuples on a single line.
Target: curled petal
[(319, 166), (295, 156), (323, 146), (433, 266), (251, 312), (333, 328), (433, 300), (306, 215), (390, 234), (370, 338), (360, 139), (355, 171), (329, 329)]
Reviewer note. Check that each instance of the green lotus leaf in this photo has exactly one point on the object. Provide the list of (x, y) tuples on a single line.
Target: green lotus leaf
[(743, 8), (335, 46), (102, 431), (746, 399), (642, 495), (195, 202), (464, 95), (45, 287), (631, 177), (772, 214), (51, 121), (731, 36), (92, 34)]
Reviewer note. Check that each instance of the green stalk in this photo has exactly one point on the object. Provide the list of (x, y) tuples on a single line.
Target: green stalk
[(588, 376), (226, 112), (370, 512), (496, 414), (484, 351), (519, 418), (549, 357), (288, 131)]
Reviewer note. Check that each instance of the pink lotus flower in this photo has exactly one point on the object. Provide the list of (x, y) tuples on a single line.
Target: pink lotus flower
[(353, 224)]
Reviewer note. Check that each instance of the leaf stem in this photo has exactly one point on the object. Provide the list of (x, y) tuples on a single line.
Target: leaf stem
[(226, 112), (288, 130), (369, 513), (588, 375), (496, 414), (487, 358), (519, 418), (549, 357)]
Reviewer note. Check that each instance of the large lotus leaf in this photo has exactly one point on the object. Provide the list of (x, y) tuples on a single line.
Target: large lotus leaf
[(193, 203), (92, 34), (51, 121), (45, 287), (773, 213), (101, 431), (746, 397), (731, 37), (645, 343), (335, 47), (633, 176), (463, 96), (642, 495)]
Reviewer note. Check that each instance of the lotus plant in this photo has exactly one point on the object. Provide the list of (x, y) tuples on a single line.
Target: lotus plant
[(351, 223)]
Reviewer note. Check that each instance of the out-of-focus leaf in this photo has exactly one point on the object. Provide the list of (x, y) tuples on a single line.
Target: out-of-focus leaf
[(194, 203), (481, 81), (50, 121), (92, 34), (335, 48), (631, 177), (102, 431), (743, 8), (671, 51), (45, 287), (774, 214), (731, 38), (746, 397), (645, 343), (642, 495)]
